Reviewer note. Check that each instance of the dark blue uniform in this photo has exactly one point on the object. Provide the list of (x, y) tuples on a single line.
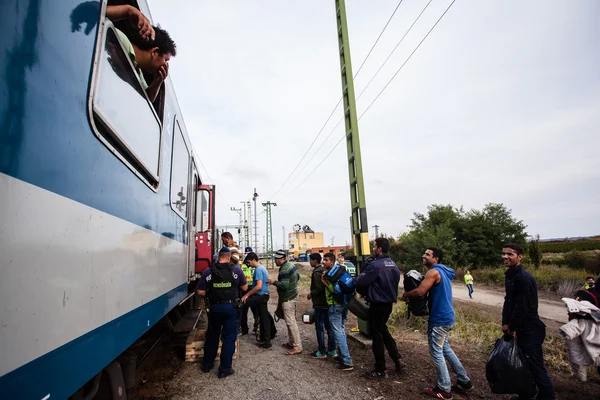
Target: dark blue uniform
[(221, 283), (520, 313)]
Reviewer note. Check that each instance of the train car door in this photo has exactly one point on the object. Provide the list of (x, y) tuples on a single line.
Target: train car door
[(205, 237)]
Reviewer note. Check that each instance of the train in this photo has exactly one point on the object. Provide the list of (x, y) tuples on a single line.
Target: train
[(105, 220)]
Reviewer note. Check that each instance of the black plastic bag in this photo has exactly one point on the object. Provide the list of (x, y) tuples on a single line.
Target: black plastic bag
[(506, 371)]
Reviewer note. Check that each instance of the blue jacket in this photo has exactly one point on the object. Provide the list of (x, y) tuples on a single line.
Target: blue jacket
[(379, 281), (442, 312)]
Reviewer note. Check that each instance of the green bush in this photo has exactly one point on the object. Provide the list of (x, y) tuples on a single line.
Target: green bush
[(576, 260)]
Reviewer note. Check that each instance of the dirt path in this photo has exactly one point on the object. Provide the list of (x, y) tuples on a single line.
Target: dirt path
[(269, 374), (548, 309)]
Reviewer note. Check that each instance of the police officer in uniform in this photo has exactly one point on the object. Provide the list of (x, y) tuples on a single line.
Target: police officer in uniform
[(221, 284)]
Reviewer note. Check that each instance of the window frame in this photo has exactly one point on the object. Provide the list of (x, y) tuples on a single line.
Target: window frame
[(176, 128), (101, 125)]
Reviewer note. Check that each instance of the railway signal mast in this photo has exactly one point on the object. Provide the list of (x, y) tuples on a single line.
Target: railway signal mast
[(360, 226)]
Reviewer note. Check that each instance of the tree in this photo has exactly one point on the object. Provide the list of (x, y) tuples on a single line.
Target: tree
[(535, 254), (472, 238)]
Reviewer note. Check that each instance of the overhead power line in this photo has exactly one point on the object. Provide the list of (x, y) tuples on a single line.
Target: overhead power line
[(338, 102), (377, 97), (365, 88)]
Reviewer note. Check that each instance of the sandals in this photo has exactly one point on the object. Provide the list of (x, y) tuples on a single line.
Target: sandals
[(293, 352)]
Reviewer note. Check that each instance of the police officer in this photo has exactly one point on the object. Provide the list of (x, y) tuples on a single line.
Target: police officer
[(221, 284)]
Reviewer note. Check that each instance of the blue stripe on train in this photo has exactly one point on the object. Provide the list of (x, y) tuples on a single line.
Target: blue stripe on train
[(62, 371), (46, 57)]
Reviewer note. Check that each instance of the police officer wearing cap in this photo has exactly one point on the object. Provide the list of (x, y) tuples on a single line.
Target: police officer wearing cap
[(221, 284)]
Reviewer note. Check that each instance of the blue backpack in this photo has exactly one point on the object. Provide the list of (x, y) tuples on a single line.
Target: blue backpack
[(343, 283)]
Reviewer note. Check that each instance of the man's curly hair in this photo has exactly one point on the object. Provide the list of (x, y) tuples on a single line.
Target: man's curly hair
[(162, 40)]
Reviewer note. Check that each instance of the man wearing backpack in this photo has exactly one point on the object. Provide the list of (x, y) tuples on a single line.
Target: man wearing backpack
[(338, 314), (379, 283), (438, 283), (520, 317)]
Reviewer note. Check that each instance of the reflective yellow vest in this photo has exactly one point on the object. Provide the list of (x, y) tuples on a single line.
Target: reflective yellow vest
[(248, 272), (468, 279)]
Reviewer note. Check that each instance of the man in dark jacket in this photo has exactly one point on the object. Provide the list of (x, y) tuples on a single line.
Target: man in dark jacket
[(379, 283), (520, 317), (319, 301)]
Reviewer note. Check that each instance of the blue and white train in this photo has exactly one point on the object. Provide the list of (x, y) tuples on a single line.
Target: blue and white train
[(100, 199)]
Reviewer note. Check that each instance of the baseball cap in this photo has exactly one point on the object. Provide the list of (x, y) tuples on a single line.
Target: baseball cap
[(248, 249), (224, 249), (279, 254)]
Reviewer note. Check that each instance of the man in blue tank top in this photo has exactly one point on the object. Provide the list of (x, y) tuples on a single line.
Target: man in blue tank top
[(438, 282)]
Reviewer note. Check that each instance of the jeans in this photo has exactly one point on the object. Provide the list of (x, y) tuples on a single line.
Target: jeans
[(259, 302), (530, 343), (222, 324), (379, 313), (289, 315), (322, 324), (338, 313), (440, 351), (470, 287)]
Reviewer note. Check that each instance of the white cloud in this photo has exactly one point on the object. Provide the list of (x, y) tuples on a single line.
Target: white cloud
[(498, 105)]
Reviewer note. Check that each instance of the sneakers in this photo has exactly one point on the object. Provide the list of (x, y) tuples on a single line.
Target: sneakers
[(318, 354), (344, 367), (438, 393), (332, 353), (376, 375), (337, 359), (463, 387), (399, 365)]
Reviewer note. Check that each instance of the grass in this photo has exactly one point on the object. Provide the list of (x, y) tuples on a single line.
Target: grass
[(548, 277), (478, 329)]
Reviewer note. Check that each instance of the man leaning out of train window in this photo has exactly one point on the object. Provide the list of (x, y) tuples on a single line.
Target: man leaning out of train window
[(150, 48)]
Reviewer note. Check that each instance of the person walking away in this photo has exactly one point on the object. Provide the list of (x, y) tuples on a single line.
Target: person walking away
[(287, 290), (469, 282), (221, 284), (379, 284), (258, 298), (520, 317), (438, 282), (338, 314), (319, 302)]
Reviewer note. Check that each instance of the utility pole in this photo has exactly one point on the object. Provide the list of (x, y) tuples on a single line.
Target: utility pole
[(249, 225), (360, 227), (269, 242), (245, 227), (254, 196), (284, 238), (376, 231), (239, 211)]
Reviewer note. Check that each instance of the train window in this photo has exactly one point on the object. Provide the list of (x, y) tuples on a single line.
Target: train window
[(126, 119), (194, 194), (202, 210), (180, 165)]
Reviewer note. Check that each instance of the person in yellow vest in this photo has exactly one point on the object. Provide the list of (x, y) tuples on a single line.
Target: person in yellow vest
[(469, 283), (248, 273)]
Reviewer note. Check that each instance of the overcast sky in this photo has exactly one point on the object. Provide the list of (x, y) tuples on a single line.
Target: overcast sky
[(500, 104)]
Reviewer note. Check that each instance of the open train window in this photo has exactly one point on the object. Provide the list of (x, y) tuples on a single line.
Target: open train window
[(124, 118), (179, 173)]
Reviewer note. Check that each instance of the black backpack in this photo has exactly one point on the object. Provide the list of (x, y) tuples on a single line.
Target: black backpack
[(416, 306)]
